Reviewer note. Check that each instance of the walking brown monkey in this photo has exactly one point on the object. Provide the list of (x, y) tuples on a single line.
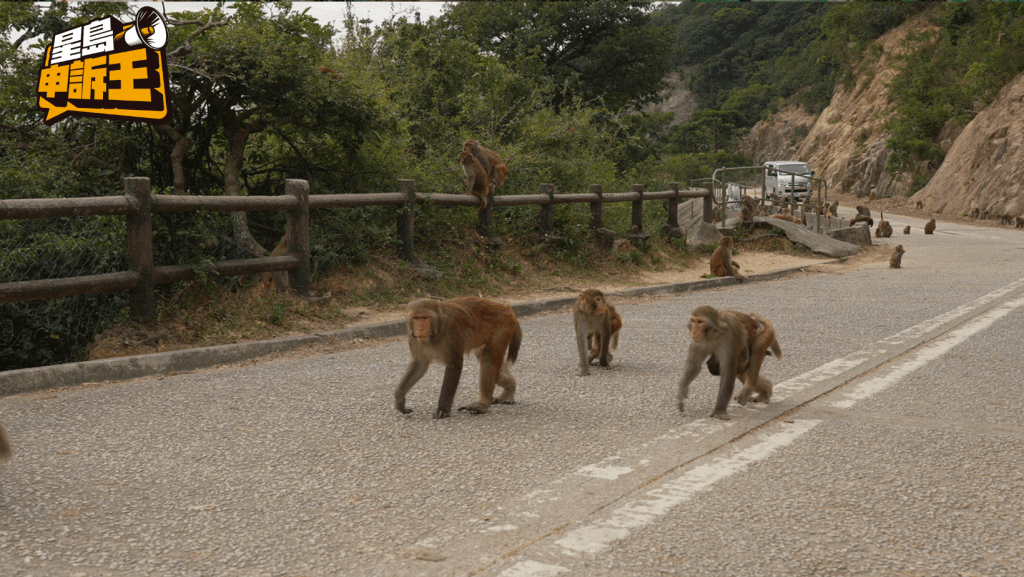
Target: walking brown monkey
[(476, 178), (726, 335), (444, 331), (721, 260), (597, 329)]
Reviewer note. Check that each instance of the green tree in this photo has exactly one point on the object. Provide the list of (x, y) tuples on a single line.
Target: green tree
[(586, 50)]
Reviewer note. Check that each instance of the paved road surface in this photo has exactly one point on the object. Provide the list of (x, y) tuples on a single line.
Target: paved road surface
[(894, 445)]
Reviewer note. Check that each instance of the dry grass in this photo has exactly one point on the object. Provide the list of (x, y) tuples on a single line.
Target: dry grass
[(199, 314)]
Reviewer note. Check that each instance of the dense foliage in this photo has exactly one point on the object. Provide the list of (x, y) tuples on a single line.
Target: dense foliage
[(958, 66)]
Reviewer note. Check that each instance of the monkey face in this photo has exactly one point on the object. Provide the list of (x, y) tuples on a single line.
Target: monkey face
[(591, 303), (421, 327), (697, 327)]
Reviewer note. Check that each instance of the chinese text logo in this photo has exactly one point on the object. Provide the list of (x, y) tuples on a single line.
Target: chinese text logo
[(109, 70)]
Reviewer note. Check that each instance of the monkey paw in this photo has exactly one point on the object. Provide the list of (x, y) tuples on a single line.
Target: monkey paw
[(723, 416), (441, 414), (502, 401), (475, 408)]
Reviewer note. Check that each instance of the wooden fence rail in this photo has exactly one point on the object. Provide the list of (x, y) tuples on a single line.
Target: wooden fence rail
[(138, 205)]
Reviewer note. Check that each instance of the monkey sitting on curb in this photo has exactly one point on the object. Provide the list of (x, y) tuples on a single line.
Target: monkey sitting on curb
[(722, 263)]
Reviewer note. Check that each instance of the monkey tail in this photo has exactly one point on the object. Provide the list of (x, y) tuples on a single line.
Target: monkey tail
[(513, 347), (776, 349)]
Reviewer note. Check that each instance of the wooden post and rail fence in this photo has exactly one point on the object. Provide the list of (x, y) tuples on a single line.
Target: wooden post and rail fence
[(138, 205)]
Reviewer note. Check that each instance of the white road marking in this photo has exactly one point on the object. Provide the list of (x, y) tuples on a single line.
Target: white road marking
[(533, 569), (609, 473), (598, 535), (925, 355)]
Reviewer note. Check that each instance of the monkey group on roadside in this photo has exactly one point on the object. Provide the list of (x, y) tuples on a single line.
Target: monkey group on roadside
[(732, 343)]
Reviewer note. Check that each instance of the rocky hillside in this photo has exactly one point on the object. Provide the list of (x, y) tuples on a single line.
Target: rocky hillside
[(845, 144), (675, 99), (984, 168)]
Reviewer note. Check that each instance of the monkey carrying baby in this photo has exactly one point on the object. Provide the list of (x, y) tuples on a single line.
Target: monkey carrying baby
[(734, 344)]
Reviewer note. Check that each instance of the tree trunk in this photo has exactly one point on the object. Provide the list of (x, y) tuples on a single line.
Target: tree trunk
[(181, 145), (238, 136)]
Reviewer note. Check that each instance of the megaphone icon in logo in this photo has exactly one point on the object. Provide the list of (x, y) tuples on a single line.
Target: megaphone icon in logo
[(148, 29)]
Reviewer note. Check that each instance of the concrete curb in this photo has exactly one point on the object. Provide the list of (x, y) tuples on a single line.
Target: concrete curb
[(134, 367)]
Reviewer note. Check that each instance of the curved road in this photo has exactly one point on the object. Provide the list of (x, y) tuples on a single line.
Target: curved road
[(894, 444)]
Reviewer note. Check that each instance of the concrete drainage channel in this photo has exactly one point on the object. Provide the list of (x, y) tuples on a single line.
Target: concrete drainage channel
[(138, 366)]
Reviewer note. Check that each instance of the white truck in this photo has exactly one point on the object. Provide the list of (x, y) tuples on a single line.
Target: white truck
[(788, 178)]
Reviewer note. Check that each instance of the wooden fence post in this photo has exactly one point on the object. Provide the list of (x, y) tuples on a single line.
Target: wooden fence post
[(547, 213), (605, 236), (298, 237), (671, 229), (597, 208), (407, 219), (638, 210), (141, 299), (486, 216), (636, 230), (673, 206)]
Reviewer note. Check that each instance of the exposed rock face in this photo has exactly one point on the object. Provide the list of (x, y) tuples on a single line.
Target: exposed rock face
[(677, 99), (984, 168), (846, 144)]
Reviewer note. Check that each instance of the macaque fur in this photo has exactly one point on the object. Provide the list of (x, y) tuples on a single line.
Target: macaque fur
[(896, 260), (476, 178), (278, 278), (5, 444), (884, 229), (739, 342), (445, 331), (491, 162), (762, 343), (597, 326), (721, 260)]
